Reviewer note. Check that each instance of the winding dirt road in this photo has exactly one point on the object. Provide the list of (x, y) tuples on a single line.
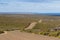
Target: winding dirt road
[(33, 24), (17, 35)]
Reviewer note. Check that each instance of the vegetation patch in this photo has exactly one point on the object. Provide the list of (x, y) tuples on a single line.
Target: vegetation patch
[(1, 32)]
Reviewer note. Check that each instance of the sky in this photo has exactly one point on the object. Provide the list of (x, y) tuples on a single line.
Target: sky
[(34, 6)]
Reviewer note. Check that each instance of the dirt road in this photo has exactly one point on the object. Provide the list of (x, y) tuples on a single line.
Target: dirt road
[(31, 25), (17, 35)]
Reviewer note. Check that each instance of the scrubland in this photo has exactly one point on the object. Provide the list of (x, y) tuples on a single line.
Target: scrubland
[(10, 22)]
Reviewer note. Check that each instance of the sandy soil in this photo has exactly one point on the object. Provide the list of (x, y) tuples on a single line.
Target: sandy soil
[(17, 35)]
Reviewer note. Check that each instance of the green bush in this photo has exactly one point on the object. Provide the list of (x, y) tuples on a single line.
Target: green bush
[(1, 32), (58, 36), (44, 33), (55, 34)]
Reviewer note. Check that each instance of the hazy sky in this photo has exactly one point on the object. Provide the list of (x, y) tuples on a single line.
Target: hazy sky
[(38, 6)]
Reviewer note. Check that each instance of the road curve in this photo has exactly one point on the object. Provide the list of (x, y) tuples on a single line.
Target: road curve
[(17, 35)]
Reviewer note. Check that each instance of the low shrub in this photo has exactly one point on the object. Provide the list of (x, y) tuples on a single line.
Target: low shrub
[(55, 34), (1, 32), (28, 31), (44, 33)]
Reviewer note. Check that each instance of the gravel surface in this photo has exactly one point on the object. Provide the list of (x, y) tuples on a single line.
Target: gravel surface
[(17, 35)]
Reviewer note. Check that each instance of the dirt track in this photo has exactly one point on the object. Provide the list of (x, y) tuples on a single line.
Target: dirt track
[(31, 25), (17, 35)]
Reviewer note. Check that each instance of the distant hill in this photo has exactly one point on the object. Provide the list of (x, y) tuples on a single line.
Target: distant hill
[(47, 14)]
